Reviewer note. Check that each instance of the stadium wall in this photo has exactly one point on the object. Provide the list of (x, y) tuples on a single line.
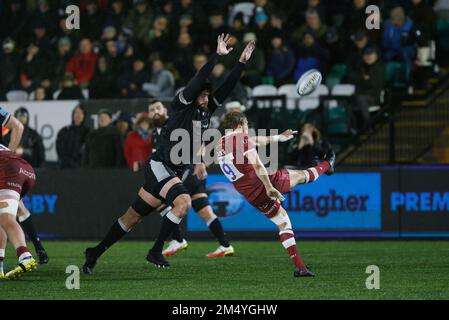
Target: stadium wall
[(387, 202)]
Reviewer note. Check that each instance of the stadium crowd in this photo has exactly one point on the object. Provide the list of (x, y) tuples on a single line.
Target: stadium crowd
[(149, 48)]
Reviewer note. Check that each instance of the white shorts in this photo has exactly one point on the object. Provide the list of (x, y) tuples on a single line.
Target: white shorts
[(9, 202)]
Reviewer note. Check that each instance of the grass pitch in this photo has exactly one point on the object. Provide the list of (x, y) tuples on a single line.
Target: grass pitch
[(259, 270)]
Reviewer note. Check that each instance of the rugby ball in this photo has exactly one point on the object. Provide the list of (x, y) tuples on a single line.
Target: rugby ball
[(308, 82)]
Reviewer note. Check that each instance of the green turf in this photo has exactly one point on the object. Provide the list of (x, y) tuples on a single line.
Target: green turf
[(259, 270)]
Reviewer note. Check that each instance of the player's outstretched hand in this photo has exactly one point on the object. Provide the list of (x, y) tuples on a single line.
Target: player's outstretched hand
[(247, 52), (222, 45), (274, 194), (285, 136)]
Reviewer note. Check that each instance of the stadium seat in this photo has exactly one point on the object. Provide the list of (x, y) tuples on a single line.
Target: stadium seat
[(246, 8), (309, 103), (398, 74), (85, 93), (292, 97), (17, 95), (264, 90), (56, 94), (343, 90), (338, 121)]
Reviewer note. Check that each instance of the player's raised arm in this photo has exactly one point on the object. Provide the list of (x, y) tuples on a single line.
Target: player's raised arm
[(193, 88), (262, 174), (16, 132), (228, 85), (283, 137)]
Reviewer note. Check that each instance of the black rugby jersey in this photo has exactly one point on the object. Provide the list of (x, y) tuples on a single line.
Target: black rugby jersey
[(190, 118)]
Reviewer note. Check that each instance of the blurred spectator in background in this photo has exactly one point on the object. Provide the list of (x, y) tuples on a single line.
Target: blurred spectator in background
[(238, 26), (138, 144), (103, 83), (313, 26), (46, 14), (9, 67), (424, 20), (140, 19), (355, 52), (219, 74), (308, 148), (104, 146), (35, 69), (40, 94), (131, 82), (281, 61), (116, 15), (40, 37), (311, 55), (355, 17), (398, 39), (92, 20), (83, 63), (162, 82), (217, 26), (182, 57), (157, 39), (262, 28), (31, 147), (70, 89), (71, 140), (369, 81), (255, 66), (14, 20), (124, 123), (60, 60)]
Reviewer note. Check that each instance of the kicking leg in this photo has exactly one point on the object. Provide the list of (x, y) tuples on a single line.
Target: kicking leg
[(24, 217), (312, 174), (142, 206), (287, 238)]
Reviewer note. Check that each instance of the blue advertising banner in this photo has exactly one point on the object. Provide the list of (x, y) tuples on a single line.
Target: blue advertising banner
[(342, 202)]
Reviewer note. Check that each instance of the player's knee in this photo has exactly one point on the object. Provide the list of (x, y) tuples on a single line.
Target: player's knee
[(199, 204), (282, 220), (182, 204)]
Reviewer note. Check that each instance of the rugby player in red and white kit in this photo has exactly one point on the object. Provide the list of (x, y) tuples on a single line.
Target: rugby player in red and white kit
[(16, 179), (240, 162)]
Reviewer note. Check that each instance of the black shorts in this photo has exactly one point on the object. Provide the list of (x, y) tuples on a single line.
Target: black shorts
[(157, 174), (192, 183)]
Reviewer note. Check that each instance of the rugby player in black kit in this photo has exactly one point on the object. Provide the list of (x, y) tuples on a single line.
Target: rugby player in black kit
[(194, 105)]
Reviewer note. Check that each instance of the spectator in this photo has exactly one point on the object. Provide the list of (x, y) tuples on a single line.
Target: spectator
[(131, 82), (103, 83), (425, 21), (219, 74), (31, 147), (104, 146), (83, 63), (369, 80), (116, 15), (355, 17), (40, 37), (60, 60), (124, 123), (138, 144), (36, 68), (398, 39), (140, 19), (238, 26), (255, 66), (355, 54), (109, 33), (71, 140), (40, 94), (308, 148), (182, 58), (281, 61), (92, 20), (14, 20), (9, 66), (162, 84), (114, 59), (311, 55), (157, 39), (70, 89), (313, 25), (217, 26), (47, 15), (262, 28)]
